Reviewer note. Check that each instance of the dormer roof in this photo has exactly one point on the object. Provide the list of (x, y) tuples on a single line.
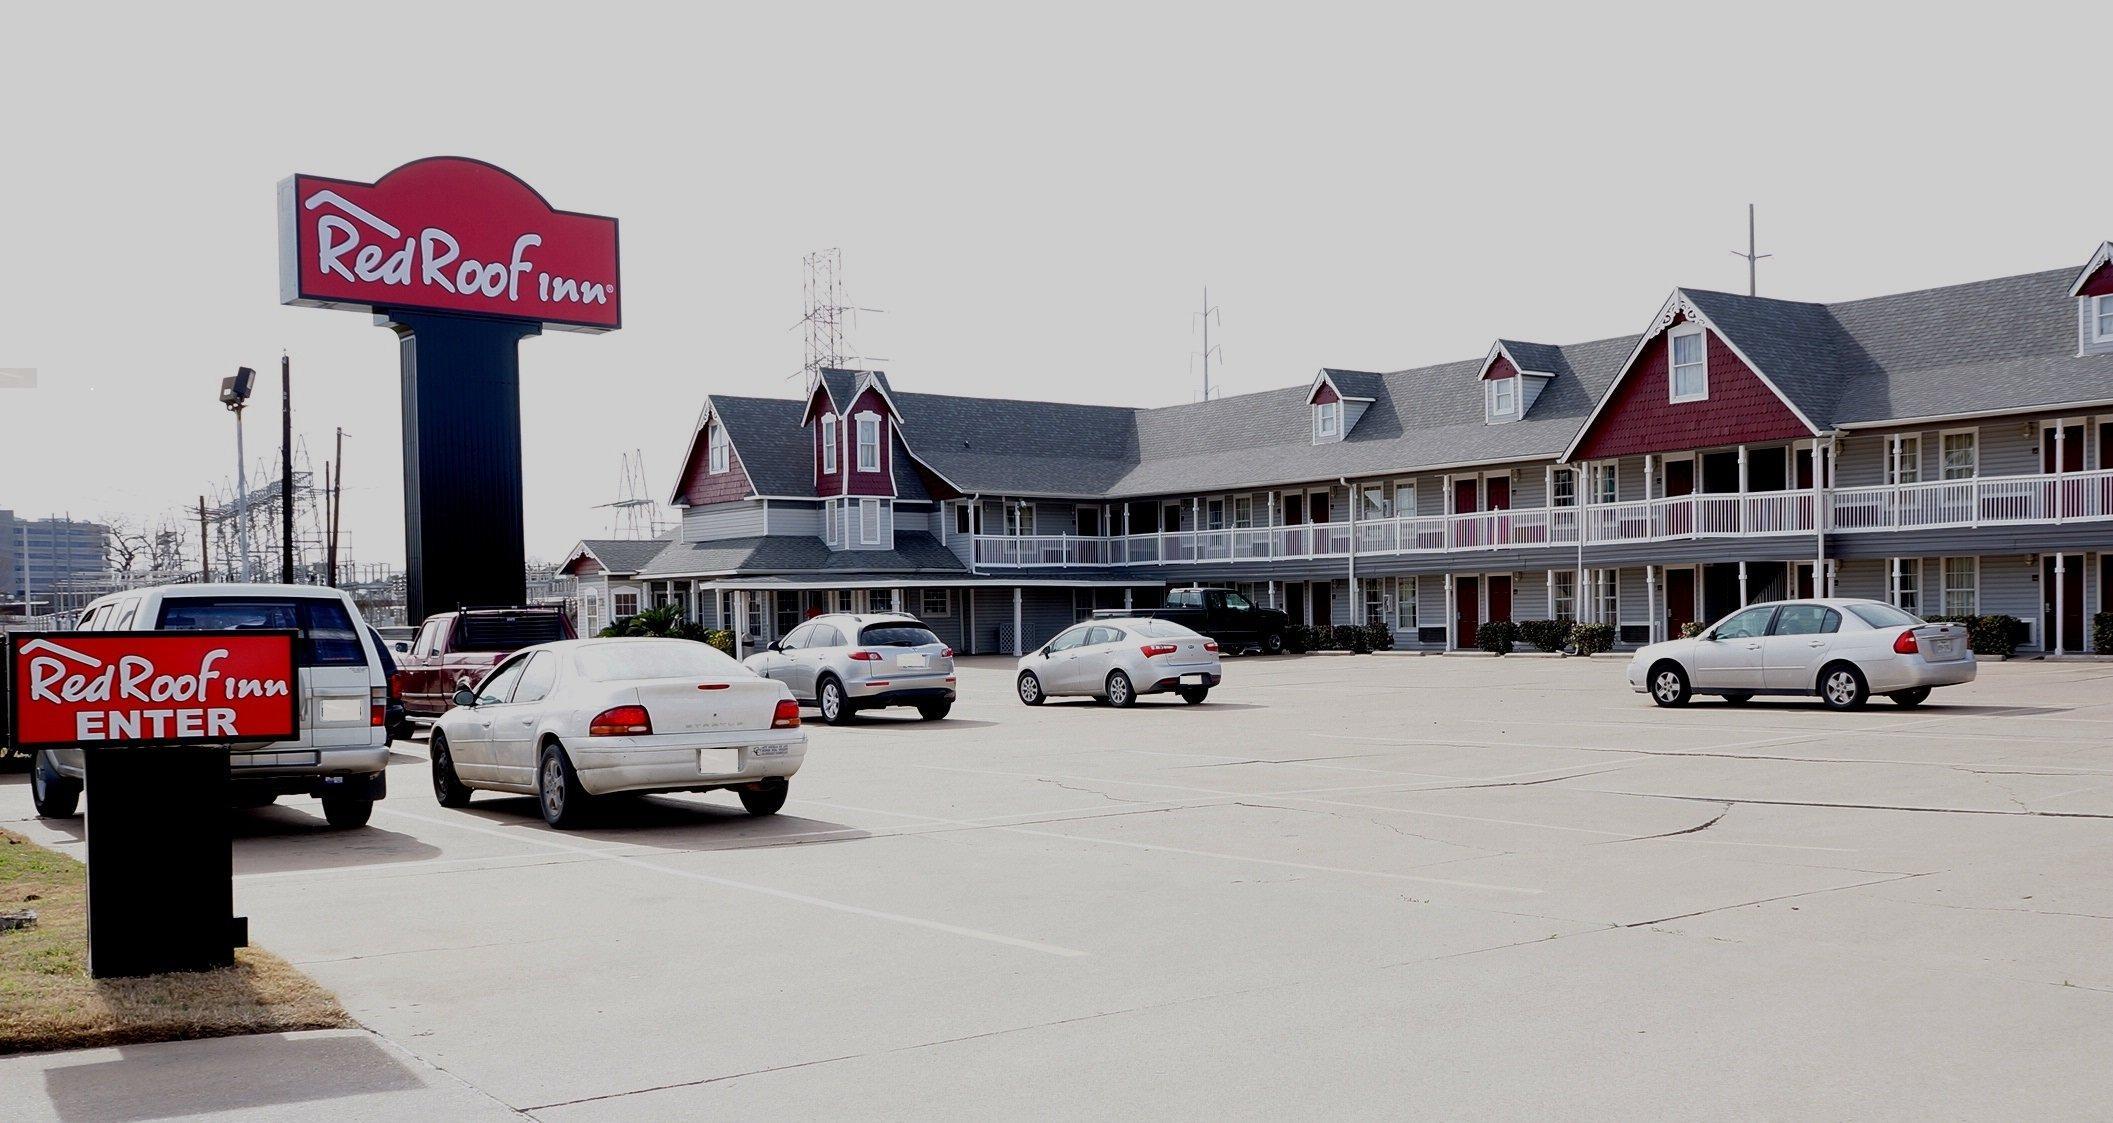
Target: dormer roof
[(2096, 278), (1348, 385), (1510, 356)]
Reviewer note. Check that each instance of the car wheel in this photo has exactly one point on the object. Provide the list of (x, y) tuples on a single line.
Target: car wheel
[(558, 791), (829, 698), (448, 788), (1194, 695), (55, 796), (1669, 685), (1030, 688), (1273, 643), (934, 711), (1842, 687), (765, 800), (346, 812), (1737, 699), (1120, 690), (1910, 698)]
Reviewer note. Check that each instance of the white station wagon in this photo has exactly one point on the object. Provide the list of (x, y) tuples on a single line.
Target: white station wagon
[(1842, 650)]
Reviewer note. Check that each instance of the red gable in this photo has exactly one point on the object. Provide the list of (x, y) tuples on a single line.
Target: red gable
[(701, 486), (1502, 368), (1640, 418), (882, 481), (1324, 394), (2099, 283)]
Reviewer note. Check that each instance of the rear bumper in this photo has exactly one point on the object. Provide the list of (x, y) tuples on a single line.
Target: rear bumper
[(1171, 679), (686, 762), (1909, 672), (283, 769), (901, 690)]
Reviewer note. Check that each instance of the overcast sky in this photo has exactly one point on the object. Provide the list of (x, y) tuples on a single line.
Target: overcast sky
[(1036, 200)]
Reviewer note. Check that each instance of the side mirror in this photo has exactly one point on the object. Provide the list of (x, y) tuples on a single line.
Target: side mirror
[(465, 697), (777, 645), (401, 647)]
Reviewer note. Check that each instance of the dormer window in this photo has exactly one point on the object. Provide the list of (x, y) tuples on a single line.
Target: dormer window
[(1328, 420), (869, 442), (828, 444), (1688, 380), (720, 456), (2102, 319), (1503, 398)]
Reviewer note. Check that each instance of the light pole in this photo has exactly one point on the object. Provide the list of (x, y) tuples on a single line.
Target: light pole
[(234, 394)]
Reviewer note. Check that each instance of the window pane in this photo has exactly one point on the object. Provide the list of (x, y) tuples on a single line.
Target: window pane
[(1882, 615), (1801, 620), (655, 659), (1747, 624)]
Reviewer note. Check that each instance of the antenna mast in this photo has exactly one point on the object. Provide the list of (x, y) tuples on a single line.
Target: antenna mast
[(829, 308), (1753, 258), (1209, 313)]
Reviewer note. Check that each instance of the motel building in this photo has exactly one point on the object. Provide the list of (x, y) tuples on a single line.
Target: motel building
[(1948, 450)]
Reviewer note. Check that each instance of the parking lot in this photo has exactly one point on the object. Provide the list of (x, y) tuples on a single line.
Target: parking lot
[(1347, 885)]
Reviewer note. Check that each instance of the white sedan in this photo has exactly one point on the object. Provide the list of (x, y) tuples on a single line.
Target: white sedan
[(569, 721), (1120, 659), (1844, 651)]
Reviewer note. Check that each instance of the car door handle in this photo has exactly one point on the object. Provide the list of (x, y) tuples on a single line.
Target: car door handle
[(1814, 643), (528, 721)]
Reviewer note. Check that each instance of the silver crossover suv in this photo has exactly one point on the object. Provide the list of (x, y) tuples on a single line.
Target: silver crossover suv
[(849, 662)]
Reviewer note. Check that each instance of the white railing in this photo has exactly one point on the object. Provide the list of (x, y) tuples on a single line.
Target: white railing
[(2001, 500)]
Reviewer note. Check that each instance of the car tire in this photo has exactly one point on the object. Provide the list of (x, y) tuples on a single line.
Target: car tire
[(346, 811), (55, 796), (448, 788), (1273, 643), (1737, 699), (934, 711), (559, 796), (1194, 695), (1121, 691), (765, 800), (1029, 689), (1842, 687), (1910, 698), (1668, 684), (836, 707)]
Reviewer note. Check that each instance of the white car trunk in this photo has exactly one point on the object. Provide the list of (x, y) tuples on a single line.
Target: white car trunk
[(1941, 643), (711, 706)]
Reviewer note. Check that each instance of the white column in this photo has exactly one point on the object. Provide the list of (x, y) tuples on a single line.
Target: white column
[(1549, 575), (740, 628), (1650, 601), (1126, 600), (1742, 585), (1017, 639), (1893, 583), (2059, 607), (895, 597), (1272, 594), (1451, 601)]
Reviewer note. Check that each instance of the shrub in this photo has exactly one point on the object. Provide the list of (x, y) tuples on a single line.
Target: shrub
[(1692, 628), (665, 621), (2102, 632), (721, 639), (1378, 638), (1992, 634), (1546, 635), (1351, 637), (1499, 636), (1591, 639)]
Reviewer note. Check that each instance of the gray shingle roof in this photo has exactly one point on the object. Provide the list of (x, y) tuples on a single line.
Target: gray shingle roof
[(915, 551), (623, 556), (1544, 357), (1355, 383), (774, 450)]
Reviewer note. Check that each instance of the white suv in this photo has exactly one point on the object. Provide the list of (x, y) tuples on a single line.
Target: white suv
[(343, 749)]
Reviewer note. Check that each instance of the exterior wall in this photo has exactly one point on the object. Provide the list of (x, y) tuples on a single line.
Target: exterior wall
[(715, 521), (1740, 409), (1502, 368), (795, 518), (1043, 613), (952, 626), (702, 487), (2009, 447), (881, 482), (2100, 282), (827, 482)]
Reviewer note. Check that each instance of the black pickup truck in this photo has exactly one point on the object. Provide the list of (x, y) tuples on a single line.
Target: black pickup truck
[(1223, 615)]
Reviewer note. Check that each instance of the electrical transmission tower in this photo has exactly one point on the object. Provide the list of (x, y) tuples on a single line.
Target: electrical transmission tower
[(829, 317), (636, 514)]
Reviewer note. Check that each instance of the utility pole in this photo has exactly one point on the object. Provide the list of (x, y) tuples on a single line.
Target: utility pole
[(1208, 314), (1753, 258), (335, 491), (205, 545), (285, 469)]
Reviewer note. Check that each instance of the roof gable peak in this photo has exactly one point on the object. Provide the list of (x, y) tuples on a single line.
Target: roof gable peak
[(2099, 260)]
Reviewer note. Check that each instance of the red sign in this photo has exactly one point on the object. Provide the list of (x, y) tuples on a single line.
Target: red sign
[(446, 234), (110, 689)]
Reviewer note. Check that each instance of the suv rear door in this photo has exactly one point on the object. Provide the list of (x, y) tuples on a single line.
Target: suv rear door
[(338, 674)]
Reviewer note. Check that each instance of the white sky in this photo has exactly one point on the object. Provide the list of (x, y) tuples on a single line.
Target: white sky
[(1036, 201)]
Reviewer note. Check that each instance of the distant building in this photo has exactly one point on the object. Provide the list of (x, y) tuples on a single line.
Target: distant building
[(38, 554)]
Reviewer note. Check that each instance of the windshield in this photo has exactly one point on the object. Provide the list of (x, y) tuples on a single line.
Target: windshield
[(651, 659), (896, 635), (1883, 615), (327, 637)]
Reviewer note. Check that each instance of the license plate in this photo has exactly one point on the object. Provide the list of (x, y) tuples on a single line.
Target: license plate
[(1195, 680), (341, 711), (1942, 647), (767, 750), (913, 662)]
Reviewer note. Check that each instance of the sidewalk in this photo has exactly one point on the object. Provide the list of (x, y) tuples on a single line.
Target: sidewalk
[(340, 1074)]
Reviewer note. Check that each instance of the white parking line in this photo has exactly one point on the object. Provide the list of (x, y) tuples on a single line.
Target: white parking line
[(605, 854)]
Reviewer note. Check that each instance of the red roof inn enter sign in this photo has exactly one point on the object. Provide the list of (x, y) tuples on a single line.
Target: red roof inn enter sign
[(119, 689), (446, 234)]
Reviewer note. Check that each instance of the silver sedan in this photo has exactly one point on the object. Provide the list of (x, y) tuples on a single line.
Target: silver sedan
[(1842, 650), (1119, 660)]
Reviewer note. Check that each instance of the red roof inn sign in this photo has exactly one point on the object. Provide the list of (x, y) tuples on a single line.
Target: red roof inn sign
[(121, 689), (446, 234)]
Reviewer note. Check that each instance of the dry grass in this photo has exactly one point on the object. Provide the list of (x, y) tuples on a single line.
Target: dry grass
[(47, 1000)]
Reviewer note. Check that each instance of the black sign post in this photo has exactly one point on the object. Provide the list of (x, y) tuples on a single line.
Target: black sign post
[(161, 867)]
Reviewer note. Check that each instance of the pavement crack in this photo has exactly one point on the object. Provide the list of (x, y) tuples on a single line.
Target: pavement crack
[(1095, 791), (1858, 806), (1772, 900), (1697, 829)]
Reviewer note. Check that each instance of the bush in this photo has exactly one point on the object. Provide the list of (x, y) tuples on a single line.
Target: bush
[(664, 622), (1546, 635), (1378, 638), (1499, 636), (1591, 639), (1350, 637), (1299, 639), (1992, 634), (721, 639), (2102, 632), (1693, 628)]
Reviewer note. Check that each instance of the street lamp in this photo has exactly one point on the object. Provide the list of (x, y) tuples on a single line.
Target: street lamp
[(234, 394)]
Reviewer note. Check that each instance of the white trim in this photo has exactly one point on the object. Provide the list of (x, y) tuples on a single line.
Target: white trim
[(1673, 364), (862, 420), (1973, 431), (1490, 408), (2098, 308), (2101, 256), (1324, 376), (830, 440), (718, 448), (2014, 413), (1325, 412), (869, 521)]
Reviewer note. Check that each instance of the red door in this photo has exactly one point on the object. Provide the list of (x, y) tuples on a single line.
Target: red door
[(1467, 609), (1679, 600), (1465, 497), (1500, 597), (2072, 615), (1803, 576), (2072, 449)]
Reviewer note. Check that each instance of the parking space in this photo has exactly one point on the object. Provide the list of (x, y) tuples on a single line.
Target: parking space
[(1347, 885)]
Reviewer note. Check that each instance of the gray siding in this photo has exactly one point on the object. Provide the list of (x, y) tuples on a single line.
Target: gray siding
[(952, 626), (1634, 607), (741, 519), (796, 518), (1867, 577), (1043, 613)]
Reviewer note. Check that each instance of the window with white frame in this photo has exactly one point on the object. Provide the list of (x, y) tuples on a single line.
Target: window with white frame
[(1327, 420), (1690, 366), (1962, 455), (1376, 593), (1907, 585), (1562, 488), (1243, 510), (1503, 398), (1214, 514), (1563, 594), (2102, 319), (1606, 596), (828, 444), (1904, 459), (964, 518), (1404, 498), (1019, 518), (624, 603), (1606, 483), (1962, 586), (868, 521), (1405, 604), (935, 602), (833, 522), (1374, 506), (721, 451), (869, 442)]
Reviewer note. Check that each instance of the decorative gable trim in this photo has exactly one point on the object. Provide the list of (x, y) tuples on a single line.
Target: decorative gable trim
[(2099, 260), (1677, 309), (580, 552), (819, 394), (871, 380)]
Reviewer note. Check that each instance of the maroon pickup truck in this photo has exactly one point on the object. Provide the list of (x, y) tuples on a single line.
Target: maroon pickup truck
[(457, 649)]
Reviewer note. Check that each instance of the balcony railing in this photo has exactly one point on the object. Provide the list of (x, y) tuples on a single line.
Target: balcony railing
[(1994, 501)]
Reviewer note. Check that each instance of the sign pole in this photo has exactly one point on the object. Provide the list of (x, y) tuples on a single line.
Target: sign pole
[(161, 873)]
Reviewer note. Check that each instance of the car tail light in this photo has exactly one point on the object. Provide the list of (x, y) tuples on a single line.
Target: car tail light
[(1153, 650), (947, 654), (1904, 644), (378, 708), (1211, 646), (866, 656), (621, 721), (786, 716)]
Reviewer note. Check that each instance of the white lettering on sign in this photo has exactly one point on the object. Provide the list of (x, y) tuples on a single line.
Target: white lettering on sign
[(135, 679), (433, 258)]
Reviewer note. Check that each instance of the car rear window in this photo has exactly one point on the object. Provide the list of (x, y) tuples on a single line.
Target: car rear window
[(327, 638), (1160, 629), (653, 659), (896, 635), (1883, 615), (505, 632)]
